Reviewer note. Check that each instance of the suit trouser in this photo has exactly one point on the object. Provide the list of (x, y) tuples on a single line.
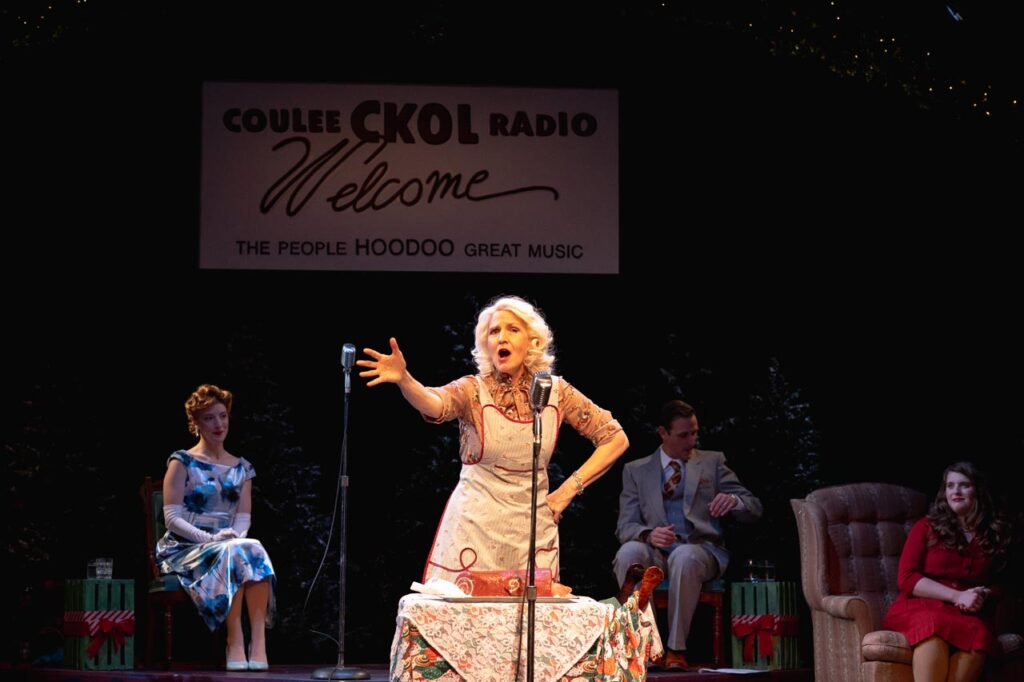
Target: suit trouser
[(687, 568)]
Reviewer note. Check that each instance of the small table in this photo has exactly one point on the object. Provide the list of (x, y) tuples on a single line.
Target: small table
[(474, 641), (765, 625), (99, 624)]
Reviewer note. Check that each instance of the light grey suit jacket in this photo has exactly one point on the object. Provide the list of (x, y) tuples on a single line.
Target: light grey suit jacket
[(641, 506)]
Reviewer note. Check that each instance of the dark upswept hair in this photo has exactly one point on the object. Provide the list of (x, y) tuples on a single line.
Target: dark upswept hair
[(991, 527), (202, 398)]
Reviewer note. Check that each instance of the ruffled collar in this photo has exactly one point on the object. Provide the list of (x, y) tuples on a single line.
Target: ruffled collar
[(506, 383), (511, 395)]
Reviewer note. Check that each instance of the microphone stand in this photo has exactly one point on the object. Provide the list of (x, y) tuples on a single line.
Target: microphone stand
[(540, 393), (531, 583), (339, 671)]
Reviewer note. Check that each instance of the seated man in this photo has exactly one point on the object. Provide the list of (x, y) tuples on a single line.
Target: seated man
[(668, 517)]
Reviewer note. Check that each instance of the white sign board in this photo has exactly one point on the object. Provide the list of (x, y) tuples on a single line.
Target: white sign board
[(414, 178)]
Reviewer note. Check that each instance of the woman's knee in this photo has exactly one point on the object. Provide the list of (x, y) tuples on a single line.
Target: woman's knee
[(934, 640), (933, 645), (966, 666)]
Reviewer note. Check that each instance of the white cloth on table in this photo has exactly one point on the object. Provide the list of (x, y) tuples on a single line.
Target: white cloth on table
[(478, 639)]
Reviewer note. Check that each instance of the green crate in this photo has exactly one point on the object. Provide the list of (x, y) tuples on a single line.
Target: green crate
[(99, 595), (774, 597)]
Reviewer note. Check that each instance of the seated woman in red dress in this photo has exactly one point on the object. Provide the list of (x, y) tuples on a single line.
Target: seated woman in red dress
[(946, 576)]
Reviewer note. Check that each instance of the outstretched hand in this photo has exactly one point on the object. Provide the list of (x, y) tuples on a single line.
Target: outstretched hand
[(383, 368)]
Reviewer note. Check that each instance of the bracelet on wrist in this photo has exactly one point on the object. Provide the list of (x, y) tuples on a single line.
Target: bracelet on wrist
[(578, 481)]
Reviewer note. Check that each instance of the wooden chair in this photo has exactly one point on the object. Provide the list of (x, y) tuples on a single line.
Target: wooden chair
[(712, 593), (164, 592)]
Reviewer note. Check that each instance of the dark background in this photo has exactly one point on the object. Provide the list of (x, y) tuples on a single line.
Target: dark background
[(817, 251)]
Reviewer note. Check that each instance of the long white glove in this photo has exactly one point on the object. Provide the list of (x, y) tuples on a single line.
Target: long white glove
[(175, 520), (238, 528), (241, 524)]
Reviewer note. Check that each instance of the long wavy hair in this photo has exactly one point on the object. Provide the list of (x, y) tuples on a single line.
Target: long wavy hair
[(991, 527)]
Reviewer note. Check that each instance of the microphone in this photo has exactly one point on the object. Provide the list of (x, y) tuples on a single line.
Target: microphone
[(348, 359), (540, 390)]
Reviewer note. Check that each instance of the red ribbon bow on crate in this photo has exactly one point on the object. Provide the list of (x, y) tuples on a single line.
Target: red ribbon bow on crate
[(763, 627), (101, 626)]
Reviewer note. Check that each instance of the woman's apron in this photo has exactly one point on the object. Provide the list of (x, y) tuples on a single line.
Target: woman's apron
[(486, 523)]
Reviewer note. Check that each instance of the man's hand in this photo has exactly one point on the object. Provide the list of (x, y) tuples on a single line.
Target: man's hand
[(662, 536), (722, 505)]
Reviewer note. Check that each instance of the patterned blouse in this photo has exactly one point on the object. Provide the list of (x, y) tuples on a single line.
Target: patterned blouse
[(460, 400)]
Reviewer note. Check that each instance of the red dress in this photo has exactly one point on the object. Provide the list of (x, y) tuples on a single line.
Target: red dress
[(921, 617)]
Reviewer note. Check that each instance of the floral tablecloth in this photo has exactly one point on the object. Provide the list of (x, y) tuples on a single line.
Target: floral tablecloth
[(477, 641)]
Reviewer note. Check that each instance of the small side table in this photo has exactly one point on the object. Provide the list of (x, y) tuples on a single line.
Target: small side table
[(99, 624), (765, 625)]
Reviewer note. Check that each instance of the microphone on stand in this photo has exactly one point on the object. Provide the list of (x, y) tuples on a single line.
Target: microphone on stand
[(540, 390), (540, 393), (348, 359), (339, 671)]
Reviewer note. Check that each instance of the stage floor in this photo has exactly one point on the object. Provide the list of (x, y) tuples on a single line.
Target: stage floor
[(297, 673)]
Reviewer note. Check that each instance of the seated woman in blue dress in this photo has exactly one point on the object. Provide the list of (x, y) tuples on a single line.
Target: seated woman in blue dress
[(208, 508)]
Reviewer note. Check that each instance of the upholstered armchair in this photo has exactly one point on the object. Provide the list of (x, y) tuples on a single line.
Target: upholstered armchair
[(851, 538)]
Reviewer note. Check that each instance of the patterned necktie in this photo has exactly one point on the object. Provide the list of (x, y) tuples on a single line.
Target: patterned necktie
[(673, 481)]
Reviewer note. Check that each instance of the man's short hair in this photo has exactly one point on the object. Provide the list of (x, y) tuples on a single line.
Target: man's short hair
[(673, 409)]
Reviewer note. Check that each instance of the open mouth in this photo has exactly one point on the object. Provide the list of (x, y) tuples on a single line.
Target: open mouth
[(504, 353)]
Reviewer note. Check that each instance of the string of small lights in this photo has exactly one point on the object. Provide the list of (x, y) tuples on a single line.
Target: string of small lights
[(956, 58)]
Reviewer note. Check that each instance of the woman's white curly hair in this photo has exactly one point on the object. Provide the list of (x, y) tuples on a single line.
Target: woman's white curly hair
[(541, 354)]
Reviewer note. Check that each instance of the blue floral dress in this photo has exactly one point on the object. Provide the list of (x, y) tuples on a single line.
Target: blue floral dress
[(212, 572)]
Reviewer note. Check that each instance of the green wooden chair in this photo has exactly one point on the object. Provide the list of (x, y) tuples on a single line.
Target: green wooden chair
[(164, 592)]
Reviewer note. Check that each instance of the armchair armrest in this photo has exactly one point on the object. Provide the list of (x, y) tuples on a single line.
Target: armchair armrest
[(887, 646), (849, 607), (1012, 644)]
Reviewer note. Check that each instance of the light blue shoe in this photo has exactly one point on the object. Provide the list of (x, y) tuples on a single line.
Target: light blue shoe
[(258, 666), (235, 666)]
